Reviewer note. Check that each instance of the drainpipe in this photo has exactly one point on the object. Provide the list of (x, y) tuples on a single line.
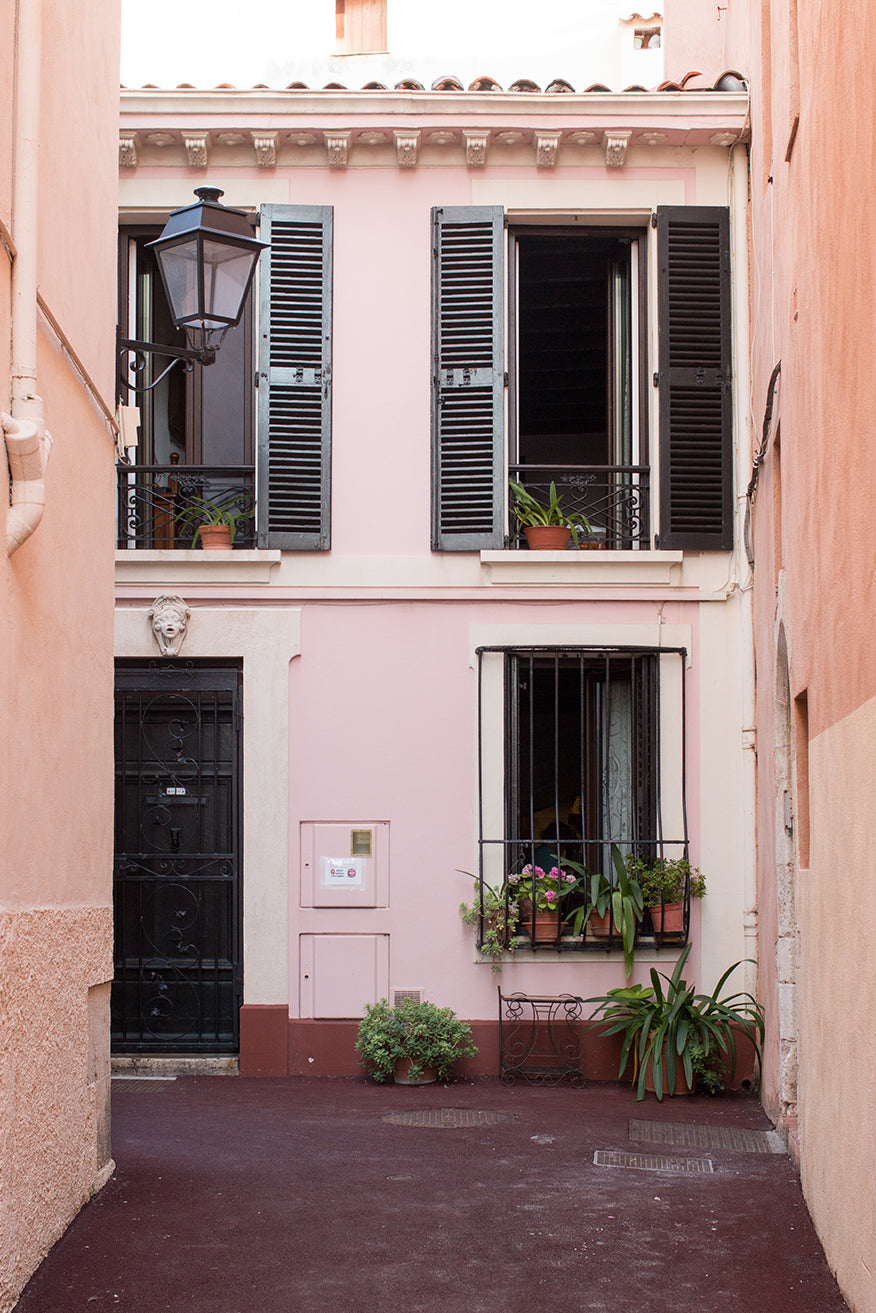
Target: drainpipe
[(27, 443), (739, 185)]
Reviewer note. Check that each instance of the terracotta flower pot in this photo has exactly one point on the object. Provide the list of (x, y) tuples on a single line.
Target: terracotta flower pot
[(402, 1074), (681, 1085), (547, 537), (599, 927), (215, 537), (668, 919), (547, 924)]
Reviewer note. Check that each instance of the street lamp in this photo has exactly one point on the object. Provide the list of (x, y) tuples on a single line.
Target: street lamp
[(207, 256)]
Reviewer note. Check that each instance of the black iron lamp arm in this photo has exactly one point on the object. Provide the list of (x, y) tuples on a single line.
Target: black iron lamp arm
[(204, 356)]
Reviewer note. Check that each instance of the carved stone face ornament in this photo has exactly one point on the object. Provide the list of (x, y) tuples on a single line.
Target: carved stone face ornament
[(170, 622)]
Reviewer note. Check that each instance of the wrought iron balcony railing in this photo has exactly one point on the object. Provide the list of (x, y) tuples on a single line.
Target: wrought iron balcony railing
[(612, 499), (157, 504)]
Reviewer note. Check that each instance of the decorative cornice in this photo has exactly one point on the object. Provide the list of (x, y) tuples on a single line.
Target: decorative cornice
[(547, 145), (475, 147), (265, 144), (338, 147), (197, 146), (407, 143), (615, 144), (127, 150)]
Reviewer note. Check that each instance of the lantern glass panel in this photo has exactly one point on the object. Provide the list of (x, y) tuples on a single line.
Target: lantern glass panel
[(179, 267), (226, 277)]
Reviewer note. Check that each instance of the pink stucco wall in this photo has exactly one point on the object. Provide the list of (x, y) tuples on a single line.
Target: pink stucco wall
[(815, 544), (55, 654)]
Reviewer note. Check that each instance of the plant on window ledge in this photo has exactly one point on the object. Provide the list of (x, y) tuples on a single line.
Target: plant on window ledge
[(202, 514), (541, 895), (618, 902), (532, 515), (494, 912), (663, 884), (666, 1030)]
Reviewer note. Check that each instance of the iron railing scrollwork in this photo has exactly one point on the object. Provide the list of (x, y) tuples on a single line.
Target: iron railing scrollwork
[(156, 503), (613, 500)]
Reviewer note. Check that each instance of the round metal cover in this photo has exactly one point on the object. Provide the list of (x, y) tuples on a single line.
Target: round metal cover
[(448, 1118)]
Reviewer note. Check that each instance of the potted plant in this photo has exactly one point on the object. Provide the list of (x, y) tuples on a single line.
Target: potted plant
[(214, 521), (494, 912), (539, 895), (417, 1043), (546, 528), (665, 1030), (663, 885), (612, 903)]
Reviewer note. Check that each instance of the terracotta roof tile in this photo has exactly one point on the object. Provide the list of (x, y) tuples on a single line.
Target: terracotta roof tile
[(730, 80)]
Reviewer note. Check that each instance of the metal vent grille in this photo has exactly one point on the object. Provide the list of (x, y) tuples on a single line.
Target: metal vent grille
[(448, 1118), (399, 996), (651, 1162), (736, 1138)]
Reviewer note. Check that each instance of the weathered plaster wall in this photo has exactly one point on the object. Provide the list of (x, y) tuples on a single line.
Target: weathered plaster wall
[(815, 543), (56, 657)]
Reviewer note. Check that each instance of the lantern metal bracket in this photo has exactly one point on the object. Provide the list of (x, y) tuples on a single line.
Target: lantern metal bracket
[(188, 355)]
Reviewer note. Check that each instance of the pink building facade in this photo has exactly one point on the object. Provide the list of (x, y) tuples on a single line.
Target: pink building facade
[(56, 363), (460, 285)]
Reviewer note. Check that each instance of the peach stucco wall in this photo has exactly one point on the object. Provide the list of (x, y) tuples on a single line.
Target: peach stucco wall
[(56, 657), (814, 262)]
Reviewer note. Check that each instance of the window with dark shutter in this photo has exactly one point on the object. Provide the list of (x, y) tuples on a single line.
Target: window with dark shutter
[(696, 465), (467, 379), (294, 417)]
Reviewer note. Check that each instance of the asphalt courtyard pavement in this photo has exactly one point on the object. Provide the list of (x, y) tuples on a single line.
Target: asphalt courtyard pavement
[(298, 1196)]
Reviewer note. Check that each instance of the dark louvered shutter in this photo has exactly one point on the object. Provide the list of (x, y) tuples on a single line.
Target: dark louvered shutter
[(467, 378), (696, 438), (294, 462)]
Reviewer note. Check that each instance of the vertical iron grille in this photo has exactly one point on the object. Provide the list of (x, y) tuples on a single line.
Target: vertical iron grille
[(582, 766), (176, 883)]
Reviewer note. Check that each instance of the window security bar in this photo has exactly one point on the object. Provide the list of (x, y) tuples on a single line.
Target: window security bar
[(582, 777)]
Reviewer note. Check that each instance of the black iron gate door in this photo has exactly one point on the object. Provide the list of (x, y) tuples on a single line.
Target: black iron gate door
[(176, 881)]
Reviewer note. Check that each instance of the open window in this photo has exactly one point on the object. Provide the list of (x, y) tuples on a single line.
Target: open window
[(577, 373), (251, 432), (592, 757)]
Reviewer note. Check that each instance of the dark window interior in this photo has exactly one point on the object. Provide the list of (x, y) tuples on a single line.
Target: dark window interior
[(574, 363)]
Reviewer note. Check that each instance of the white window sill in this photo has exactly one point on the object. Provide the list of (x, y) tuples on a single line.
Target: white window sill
[(244, 566), (583, 567)]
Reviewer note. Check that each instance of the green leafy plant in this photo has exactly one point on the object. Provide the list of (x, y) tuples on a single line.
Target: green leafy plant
[(621, 895), (659, 1025), (664, 880), (225, 510), (427, 1035), (527, 509), (494, 912)]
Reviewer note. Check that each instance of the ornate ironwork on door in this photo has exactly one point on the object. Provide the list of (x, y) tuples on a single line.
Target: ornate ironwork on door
[(176, 881)]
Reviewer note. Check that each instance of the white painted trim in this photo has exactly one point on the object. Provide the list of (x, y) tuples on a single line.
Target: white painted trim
[(267, 639), (244, 566)]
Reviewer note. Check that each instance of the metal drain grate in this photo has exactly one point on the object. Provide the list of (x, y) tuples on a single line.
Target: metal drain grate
[(737, 1138), (651, 1162), (448, 1118), (140, 1084)]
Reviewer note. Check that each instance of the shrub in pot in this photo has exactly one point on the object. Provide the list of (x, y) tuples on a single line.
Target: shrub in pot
[(663, 885), (430, 1038)]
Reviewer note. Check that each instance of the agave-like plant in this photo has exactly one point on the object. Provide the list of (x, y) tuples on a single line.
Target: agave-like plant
[(529, 510), (623, 895), (660, 1025)]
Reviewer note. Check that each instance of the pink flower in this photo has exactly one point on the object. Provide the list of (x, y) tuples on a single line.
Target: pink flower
[(551, 895)]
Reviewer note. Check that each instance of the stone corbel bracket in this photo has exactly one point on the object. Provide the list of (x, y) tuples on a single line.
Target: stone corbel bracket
[(547, 145), (615, 144), (475, 147), (265, 145), (197, 146), (407, 144), (128, 150), (338, 147)]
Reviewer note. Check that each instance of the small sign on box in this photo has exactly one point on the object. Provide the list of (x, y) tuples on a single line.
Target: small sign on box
[(343, 872)]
